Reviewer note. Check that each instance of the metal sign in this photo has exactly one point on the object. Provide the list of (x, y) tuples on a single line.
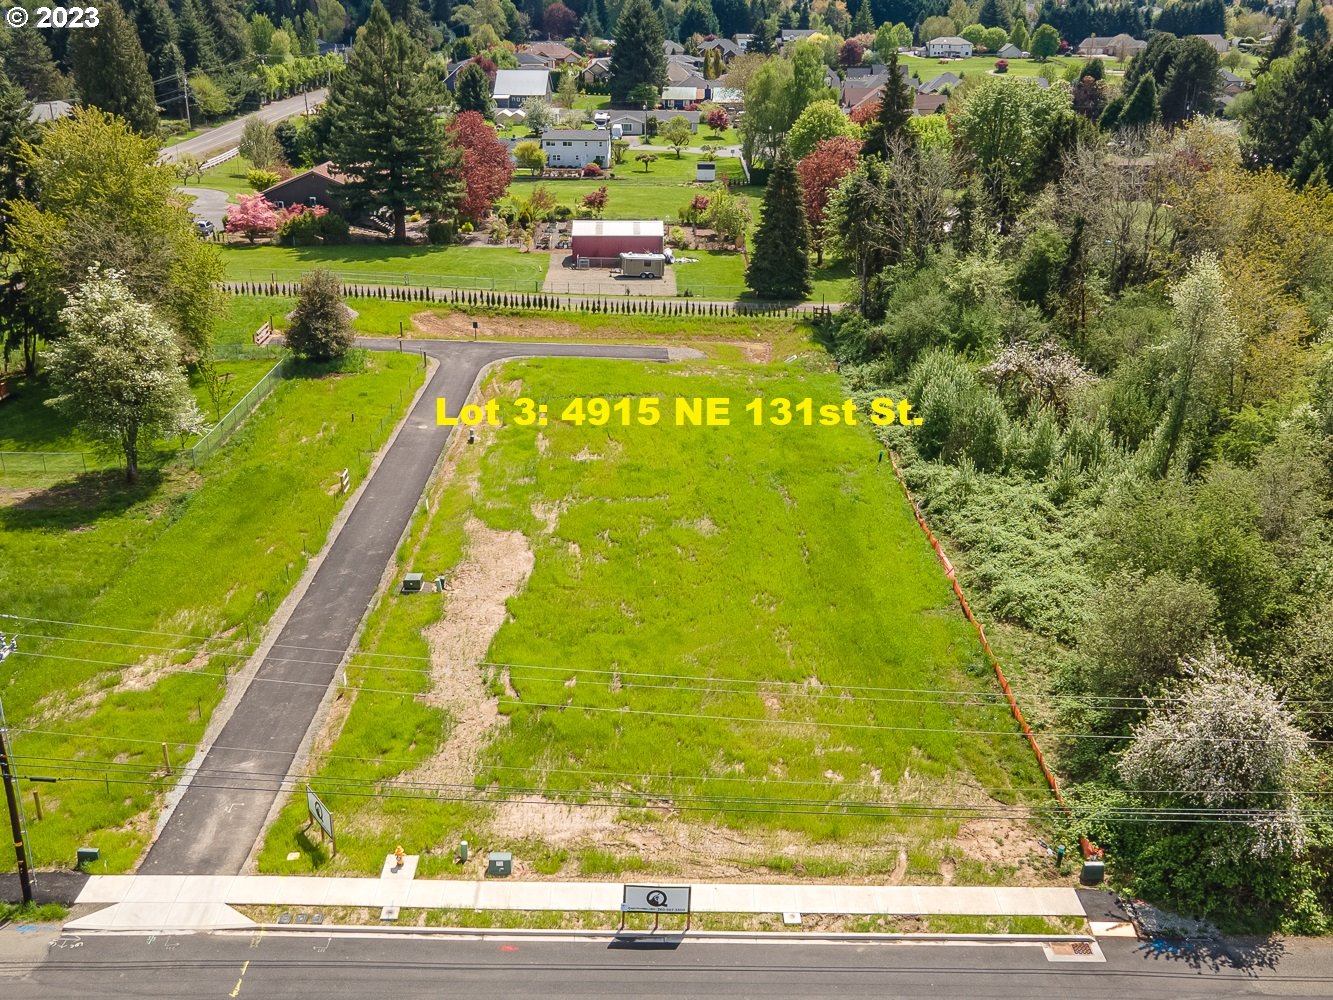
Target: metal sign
[(319, 812), (656, 899)]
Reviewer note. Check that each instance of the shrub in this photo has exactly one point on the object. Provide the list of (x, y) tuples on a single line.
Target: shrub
[(320, 329), (305, 224), (1002, 65), (440, 232), (262, 180), (592, 170)]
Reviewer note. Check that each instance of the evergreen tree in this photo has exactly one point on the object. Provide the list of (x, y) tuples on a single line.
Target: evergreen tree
[(590, 25), (765, 35), (320, 329), (1143, 107), (29, 64), (230, 33), (1283, 45), (472, 91), (733, 16), (156, 28), (385, 133), (1314, 29), (780, 263), (863, 23), (896, 108), (111, 71), (639, 57), (698, 19), (995, 14), (194, 38)]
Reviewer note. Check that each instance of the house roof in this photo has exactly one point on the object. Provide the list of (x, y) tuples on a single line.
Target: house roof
[(928, 104), (939, 83), (854, 95), (49, 111), (1111, 41), (324, 170), (795, 34), (1010, 51), (685, 93), (949, 40), (679, 75), (570, 134), (552, 50), (671, 48), (533, 60), (662, 115), (727, 46), (521, 83), (617, 227)]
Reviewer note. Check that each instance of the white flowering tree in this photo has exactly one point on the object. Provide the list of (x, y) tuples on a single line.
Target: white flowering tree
[(1224, 740), (118, 371)]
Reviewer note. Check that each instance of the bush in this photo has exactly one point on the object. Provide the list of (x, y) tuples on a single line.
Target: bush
[(306, 224), (593, 170), (1002, 65), (440, 232), (320, 329), (262, 180)]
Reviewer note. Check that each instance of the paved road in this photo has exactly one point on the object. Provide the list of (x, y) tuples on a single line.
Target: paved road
[(208, 204), (46, 966), (228, 135), (220, 816)]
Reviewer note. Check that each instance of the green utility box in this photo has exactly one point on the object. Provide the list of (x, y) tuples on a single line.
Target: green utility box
[(412, 583), (499, 864), (1094, 873), (87, 855)]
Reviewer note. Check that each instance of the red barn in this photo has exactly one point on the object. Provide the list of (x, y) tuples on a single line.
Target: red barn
[(602, 241)]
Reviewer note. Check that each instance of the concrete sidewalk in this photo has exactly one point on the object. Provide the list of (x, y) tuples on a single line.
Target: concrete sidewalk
[(203, 902)]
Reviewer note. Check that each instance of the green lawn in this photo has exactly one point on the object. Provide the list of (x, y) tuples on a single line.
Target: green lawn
[(228, 176), (718, 274), (204, 552), (699, 596), (475, 267), (927, 69)]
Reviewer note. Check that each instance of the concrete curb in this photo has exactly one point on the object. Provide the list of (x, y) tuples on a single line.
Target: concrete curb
[(494, 933)]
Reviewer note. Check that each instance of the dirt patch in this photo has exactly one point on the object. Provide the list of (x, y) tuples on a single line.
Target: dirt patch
[(140, 676), (494, 569), (453, 325), (998, 841)]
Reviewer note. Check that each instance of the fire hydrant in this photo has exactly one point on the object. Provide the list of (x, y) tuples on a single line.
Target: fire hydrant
[(398, 856)]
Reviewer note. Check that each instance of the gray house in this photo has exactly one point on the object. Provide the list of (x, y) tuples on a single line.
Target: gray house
[(514, 86)]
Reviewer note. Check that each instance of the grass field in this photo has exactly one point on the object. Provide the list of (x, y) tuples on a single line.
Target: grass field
[(706, 614), (228, 176), (194, 553), (720, 273), (479, 267), (927, 69)]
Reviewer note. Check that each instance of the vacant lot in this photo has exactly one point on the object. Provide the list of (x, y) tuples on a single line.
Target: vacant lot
[(169, 580), (467, 267), (695, 651)]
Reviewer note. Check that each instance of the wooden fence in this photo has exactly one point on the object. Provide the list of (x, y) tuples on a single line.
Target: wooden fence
[(628, 306)]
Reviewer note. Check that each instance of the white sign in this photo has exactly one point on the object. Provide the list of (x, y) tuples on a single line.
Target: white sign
[(319, 812), (656, 899)]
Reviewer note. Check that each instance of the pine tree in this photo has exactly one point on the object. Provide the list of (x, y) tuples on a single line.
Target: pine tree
[(1314, 29), (194, 38), (863, 23), (156, 27), (28, 63), (1283, 44), (995, 14), (472, 91), (780, 264), (896, 107), (111, 71), (639, 56), (1143, 107), (383, 126)]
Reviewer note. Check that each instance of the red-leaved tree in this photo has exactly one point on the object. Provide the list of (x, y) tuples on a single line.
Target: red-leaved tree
[(821, 170), (487, 169), (559, 21), (717, 119), (864, 113), (255, 216), (595, 201), (851, 53)]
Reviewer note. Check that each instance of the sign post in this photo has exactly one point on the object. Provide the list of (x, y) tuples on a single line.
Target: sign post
[(319, 814), (655, 899)]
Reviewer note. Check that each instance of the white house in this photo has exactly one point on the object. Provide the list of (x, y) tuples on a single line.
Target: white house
[(1010, 51), (568, 148), (514, 86), (949, 47)]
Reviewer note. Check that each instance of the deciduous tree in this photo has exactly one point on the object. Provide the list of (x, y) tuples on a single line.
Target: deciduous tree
[(820, 120), (487, 169), (117, 371), (253, 217), (529, 155), (676, 134), (821, 171)]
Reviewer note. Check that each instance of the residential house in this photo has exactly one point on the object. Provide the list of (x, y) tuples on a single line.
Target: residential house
[(743, 42), (945, 81), (1120, 46), (729, 49), (320, 185), (682, 74), (1010, 51), (1220, 44), (679, 98), (949, 47), (451, 73), (632, 122), (596, 72), (672, 48), (789, 35), (929, 104), (558, 53), (567, 148), (1231, 83), (534, 60), (514, 86)]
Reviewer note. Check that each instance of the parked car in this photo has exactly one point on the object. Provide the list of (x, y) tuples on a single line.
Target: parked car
[(205, 227)]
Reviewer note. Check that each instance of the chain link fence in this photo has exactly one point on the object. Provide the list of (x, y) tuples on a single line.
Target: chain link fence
[(219, 432)]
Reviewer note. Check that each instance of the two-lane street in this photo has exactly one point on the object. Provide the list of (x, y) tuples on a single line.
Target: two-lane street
[(336, 967), (228, 135)]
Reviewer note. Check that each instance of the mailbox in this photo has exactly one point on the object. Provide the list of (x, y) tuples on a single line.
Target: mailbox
[(499, 864)]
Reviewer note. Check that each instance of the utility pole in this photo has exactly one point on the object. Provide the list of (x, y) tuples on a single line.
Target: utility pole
[(185, 90), (8, 646)]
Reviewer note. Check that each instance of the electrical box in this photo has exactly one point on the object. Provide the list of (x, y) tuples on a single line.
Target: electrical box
[(412, 583), (87, 855), (499, 864), (1094, 872)]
